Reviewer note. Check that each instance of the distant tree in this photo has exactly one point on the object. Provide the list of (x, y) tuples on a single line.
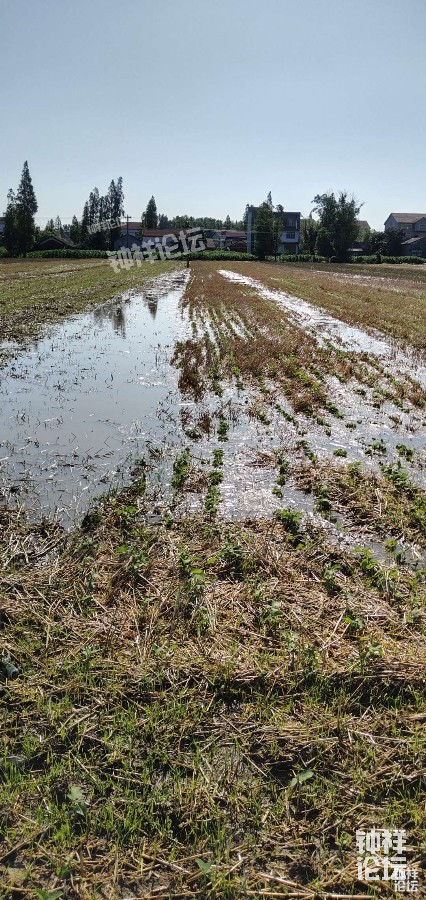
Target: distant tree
[(309, 234), (364, 236), (269, 200), (393, 241), (323, 245), (228, 222), (26, 208), (181, 222), (278, 225), (338, 226), (84, 228), (116, 208), (75, 231), (10, 233), (245, 217), (58, 227), (163, 221), (263, 231), (389, 243), (377, 239), (150, 217), (94, 207)]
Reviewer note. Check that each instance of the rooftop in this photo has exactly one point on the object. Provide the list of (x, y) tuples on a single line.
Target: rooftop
[(407, 218)]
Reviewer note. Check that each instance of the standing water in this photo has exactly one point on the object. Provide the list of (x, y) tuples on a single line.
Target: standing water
[(84, 402)]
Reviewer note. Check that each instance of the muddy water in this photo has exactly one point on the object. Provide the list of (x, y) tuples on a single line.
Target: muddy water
[(80, 407), (326, 327)]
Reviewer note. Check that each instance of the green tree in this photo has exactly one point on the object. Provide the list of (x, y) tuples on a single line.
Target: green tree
[(365, 237), (150, 216), (309, 234), (338, 226), (228, 222), (116, 208), (263, 231), (278, 225), (163, 221), (393, 241), (10, 233), (26, 208), (377, 241), (323, 245), (269, 200), (94, 207), (84, 228), (59, 231), (75, 232)]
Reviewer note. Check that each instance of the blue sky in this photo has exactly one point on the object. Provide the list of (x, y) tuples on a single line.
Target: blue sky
[(209, 106)]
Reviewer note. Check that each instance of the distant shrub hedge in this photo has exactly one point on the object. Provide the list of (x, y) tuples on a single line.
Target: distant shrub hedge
[(220, 254), (67, 254), (301, 257), (378, 258)]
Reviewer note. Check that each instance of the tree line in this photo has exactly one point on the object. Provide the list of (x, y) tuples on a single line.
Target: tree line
[(332, 234), (99, 225)]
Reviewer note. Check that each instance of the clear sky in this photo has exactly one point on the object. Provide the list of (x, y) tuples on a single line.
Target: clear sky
[(209, 105)]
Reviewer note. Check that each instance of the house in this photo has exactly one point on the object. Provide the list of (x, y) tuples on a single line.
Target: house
[(289, 234), (411, 224), (52, 242), (226, 239), (414, 227), (415, 246), (167, 237), (133, 228), (137, 236)]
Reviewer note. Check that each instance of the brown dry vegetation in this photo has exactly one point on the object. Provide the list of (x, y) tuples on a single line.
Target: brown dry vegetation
[(394, 300), (174, 681), (270, 347)]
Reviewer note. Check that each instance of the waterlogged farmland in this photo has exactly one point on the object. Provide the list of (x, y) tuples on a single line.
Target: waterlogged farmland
[(212, 578), (80, 405)]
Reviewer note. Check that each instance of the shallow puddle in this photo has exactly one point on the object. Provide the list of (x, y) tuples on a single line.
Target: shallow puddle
[(86, 400)]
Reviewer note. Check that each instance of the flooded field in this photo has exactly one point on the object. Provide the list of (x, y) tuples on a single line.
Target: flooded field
[(99, 398), (81, 404), (218, 626)]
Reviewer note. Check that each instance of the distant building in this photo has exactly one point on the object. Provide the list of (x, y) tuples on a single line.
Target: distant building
[(289, 236), (137, 236), (411, 224), (132, 227), (52, 242), (226, 239), (153, 236), (415, 246), (414, 227)]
